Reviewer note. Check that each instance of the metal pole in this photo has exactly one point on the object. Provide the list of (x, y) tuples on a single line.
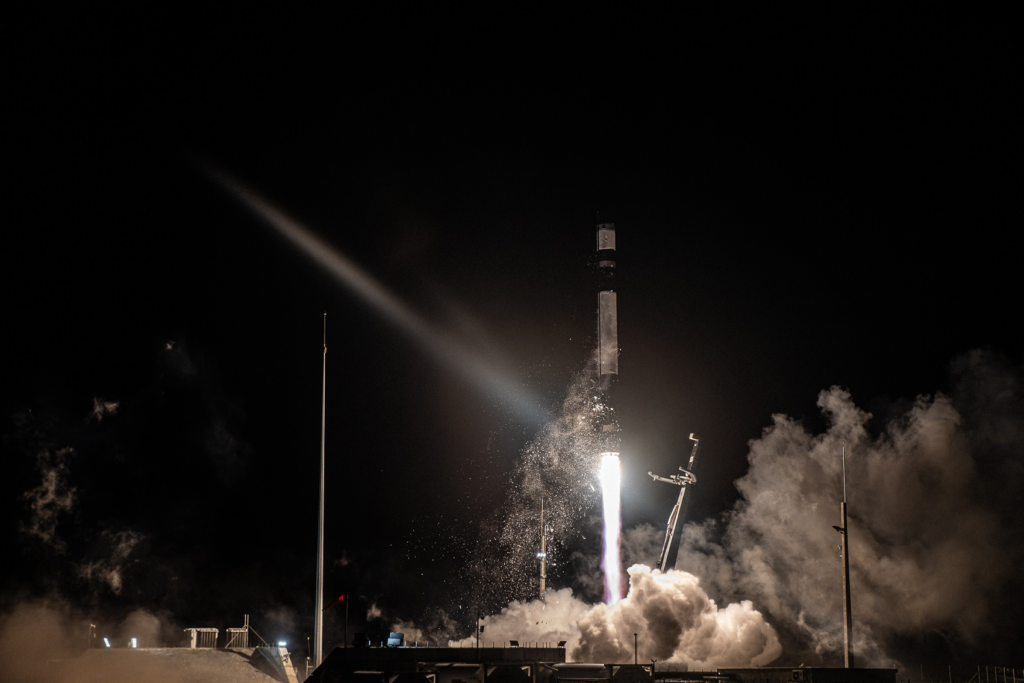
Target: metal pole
[(318, 626), (634, 649), (543, 553), (847, 611)]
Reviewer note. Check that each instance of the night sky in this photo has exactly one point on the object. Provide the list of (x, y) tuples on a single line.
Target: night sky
[(802, 200)]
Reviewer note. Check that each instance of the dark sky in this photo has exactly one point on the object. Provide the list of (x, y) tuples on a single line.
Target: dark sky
[(802, 200)]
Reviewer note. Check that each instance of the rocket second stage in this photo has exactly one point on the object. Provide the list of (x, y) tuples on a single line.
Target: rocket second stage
[(606, 355), (607, 314)]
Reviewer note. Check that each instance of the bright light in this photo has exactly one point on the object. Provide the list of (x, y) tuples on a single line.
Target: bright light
[(610, 481), (281, 643), (106, 642), (135, 642)]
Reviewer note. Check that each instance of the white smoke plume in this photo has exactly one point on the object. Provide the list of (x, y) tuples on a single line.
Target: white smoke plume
[(52, 498), (674, 619), (931, 540), (535, 621), (102, 408)]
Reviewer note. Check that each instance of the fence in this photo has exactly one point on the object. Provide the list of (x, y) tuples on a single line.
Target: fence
[(202, 637)]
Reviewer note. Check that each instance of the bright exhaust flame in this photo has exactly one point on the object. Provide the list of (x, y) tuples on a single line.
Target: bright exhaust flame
[(611, 563)]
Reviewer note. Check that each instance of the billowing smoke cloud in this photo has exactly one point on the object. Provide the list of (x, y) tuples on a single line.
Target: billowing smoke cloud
[(674, 619), (534, 621), (147, 629), (52, 498), (46, 640), (677, 623), (33, 635), (932, 540)]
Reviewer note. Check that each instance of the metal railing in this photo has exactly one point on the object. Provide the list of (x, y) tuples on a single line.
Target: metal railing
[(951, 673), (202, 637)]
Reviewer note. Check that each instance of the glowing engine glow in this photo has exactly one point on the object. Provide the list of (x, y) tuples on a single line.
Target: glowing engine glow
[(611, 563)]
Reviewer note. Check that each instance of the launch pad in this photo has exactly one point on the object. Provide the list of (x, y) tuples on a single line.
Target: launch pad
[(548, 665)]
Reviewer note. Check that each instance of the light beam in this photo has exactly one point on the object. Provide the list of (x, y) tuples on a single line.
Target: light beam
[(347, 273)]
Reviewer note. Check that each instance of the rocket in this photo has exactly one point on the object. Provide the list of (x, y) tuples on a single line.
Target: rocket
[(607, 316), (607, 352)]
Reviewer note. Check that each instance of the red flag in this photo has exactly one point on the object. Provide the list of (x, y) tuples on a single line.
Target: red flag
[(340, 598)]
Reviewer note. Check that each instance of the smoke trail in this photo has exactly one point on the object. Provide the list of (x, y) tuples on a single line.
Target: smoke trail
[(933, 541), (611, 562)]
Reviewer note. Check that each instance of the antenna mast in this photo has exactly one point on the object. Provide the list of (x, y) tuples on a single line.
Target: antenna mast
[(318, 624)]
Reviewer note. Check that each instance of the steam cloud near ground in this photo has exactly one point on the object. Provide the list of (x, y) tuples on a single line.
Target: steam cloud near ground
[(932, 489), (933, 545), (674, 619), (42, 640)]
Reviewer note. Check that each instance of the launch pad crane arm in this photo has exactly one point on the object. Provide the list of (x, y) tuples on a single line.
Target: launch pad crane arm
[(667, 480), (684, 479)]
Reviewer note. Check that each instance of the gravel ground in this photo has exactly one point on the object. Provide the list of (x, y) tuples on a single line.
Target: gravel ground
[(157, 666)]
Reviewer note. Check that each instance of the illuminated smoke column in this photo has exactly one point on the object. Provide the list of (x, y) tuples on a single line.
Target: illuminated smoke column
[(611, 562)]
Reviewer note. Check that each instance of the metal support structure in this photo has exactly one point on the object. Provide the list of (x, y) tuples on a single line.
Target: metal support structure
[(843, 530), (239, 637), (318, 624), (684, 480), (543, 554)]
